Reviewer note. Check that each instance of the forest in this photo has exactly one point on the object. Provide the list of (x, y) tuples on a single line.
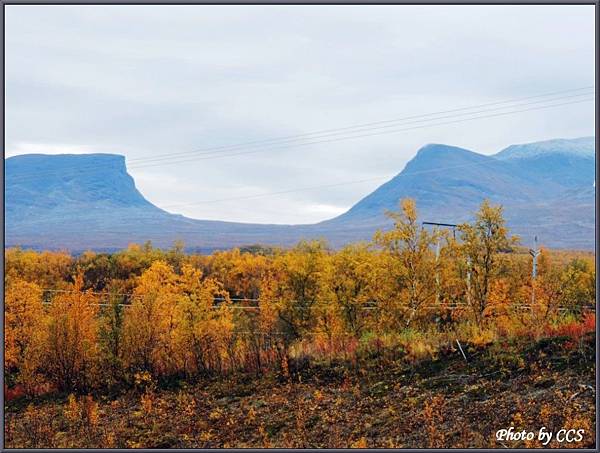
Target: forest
[(372, 345)]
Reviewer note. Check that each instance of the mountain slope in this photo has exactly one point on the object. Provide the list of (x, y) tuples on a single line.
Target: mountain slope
[(90, 201), (569, 162), (36, 183), (545, 189), (83, 202), (448, 182)]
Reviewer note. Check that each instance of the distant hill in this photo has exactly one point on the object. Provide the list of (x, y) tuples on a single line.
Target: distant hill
[(89, 201)]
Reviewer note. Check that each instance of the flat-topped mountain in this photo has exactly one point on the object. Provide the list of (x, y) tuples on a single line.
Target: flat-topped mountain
[(89, 201), (38, 182)]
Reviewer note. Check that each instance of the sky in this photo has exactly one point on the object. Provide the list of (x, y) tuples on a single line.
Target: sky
[(195, 87)]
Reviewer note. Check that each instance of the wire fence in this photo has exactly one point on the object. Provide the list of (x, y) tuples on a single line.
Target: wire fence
[(372, 305)]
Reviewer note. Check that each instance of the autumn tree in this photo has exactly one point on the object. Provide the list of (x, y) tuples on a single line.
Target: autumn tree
[(350, 283), (47, 269), (23, 316), (71, 351), (203, 327), (258, 326), (411, 263), (98, 270), (134, 260), (482, 243), (240, 273), (578, 280), (149, 321), (173, 325), (298, 288), (110, 337), (450, 281), (175, 256)]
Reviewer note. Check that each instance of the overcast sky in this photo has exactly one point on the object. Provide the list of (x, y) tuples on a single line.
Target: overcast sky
[(145, 81)]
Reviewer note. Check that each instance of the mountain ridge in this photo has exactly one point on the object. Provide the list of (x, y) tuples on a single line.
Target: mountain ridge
[(90, 201), (581, 146)]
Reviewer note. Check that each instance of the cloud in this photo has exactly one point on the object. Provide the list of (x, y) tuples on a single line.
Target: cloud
[(148, 80)]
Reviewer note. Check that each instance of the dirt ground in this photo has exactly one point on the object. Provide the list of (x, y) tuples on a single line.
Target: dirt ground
[(446, 402)]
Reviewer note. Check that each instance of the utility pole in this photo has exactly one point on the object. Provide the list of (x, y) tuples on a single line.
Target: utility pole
[(437, 254), (469, 281), (453, 226), (450, 225), (535, 252)]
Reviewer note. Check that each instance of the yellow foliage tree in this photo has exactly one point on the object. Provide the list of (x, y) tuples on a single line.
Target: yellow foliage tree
[(71, 351), (482, 243), (149, 322), (350, 281), (203, 330), (23, 313), (23, 316), (298, 288), (410, 263)]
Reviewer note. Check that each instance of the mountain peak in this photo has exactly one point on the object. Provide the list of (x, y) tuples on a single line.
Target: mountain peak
[(432, 149), (578, 147), (567, 161), (439, 155)]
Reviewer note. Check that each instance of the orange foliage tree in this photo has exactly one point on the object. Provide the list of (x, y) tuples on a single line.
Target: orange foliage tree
[(71, 341)]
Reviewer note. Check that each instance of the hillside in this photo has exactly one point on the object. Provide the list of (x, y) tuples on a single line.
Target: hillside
[(545, 188), (447, 181), (90, 201), (440, 403), (40, 184), (568, 162)]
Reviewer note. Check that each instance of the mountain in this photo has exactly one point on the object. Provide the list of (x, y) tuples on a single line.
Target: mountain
[(89, 201), (569, 162), (446, 181), (39, 183), (545, 187)]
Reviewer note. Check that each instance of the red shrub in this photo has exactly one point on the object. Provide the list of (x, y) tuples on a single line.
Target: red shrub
[(575, 330)]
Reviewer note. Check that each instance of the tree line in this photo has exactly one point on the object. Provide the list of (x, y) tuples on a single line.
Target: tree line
[(112, 320)]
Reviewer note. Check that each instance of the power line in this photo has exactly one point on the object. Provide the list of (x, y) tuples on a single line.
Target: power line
[(452, 306), (374, 123), (364, 128), (264, 141), (348, 182), (269, 194), (357, 181), (325, 186), (139, 163), (394, 131)]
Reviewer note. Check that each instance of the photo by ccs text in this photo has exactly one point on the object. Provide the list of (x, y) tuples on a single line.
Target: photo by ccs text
[(543, 435)]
